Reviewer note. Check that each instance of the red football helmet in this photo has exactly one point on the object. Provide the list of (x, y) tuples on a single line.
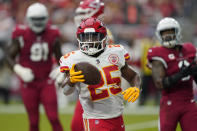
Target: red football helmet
[(89, 8), (91, 35)]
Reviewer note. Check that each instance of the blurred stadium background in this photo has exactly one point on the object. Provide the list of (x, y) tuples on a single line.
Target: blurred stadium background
[(132, 23)]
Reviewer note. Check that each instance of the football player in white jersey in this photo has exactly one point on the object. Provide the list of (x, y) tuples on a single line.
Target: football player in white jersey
[(102, 103), (86, 9)]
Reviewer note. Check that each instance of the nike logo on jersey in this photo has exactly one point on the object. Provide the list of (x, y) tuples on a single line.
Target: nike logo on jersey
[(97, 61)]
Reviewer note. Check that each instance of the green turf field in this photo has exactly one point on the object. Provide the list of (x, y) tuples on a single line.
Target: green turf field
[(14, 118), (18, 122)]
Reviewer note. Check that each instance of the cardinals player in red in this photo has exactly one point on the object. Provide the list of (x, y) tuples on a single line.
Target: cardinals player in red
[(173, 69), (35, 45), (86, 9)]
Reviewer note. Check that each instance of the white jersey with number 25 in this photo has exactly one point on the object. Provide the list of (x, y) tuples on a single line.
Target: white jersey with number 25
[(102, 101)]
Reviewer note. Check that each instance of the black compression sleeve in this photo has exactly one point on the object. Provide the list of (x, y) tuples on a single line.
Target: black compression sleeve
[(171, 80), (195, 77)]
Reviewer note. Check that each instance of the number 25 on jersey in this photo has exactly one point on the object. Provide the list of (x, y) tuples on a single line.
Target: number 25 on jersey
[(113, 81)]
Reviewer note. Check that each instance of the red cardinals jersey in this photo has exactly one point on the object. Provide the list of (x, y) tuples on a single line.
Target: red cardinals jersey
[(173, 61), (36, 50)]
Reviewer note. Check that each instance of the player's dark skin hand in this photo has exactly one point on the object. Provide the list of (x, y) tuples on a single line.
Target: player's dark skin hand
[(193, 69), (188, 70), (185, 71)]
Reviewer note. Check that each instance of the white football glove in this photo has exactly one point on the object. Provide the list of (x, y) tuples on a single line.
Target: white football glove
[(58, 76), (26, 74), (60, 79), (54, 73)]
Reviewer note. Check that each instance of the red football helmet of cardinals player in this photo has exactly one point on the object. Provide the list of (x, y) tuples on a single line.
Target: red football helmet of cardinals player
[(91, 35), (87, 9)]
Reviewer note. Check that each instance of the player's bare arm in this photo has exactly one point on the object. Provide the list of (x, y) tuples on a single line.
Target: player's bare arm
[(55, 73), (71, 79), (57, 49), (158, 73), (67, 81), (12, 52), (68, 86), (132, 93), (131, 76), (26, 74), (165, 82)]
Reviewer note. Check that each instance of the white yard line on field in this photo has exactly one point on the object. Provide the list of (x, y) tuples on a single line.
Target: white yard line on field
[(18, 109)]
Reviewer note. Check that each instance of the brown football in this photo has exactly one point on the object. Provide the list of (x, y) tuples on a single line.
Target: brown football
[(91, 73)]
